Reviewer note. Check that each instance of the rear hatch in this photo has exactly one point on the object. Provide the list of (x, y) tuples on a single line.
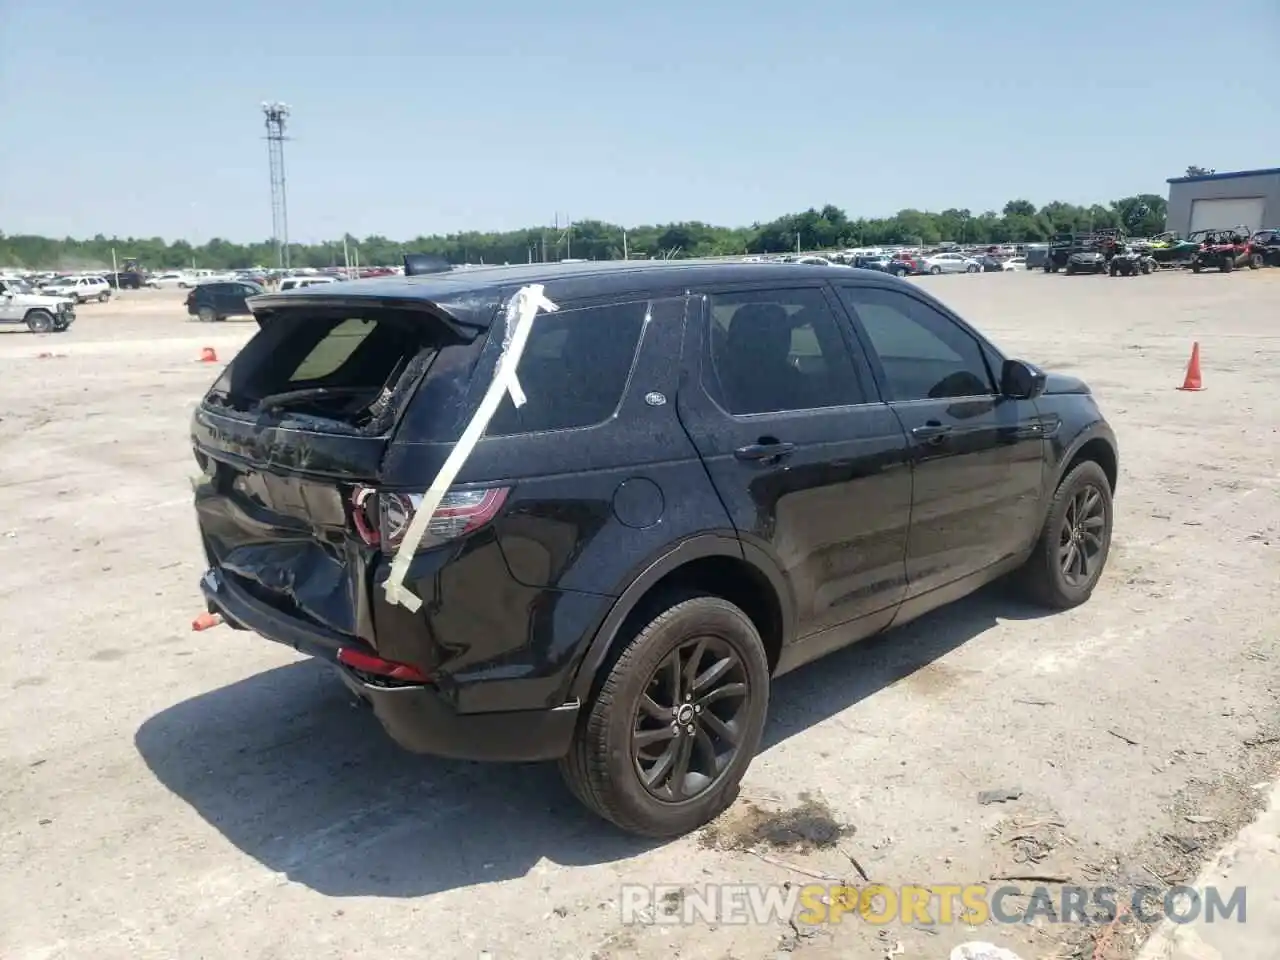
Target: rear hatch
[(296, 428)]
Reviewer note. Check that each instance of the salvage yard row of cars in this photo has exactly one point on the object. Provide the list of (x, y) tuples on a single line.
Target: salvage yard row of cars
[(1094, 251), (1110, 252)]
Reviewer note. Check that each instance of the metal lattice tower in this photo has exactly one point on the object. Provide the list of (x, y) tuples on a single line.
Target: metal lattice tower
[(276, 114)]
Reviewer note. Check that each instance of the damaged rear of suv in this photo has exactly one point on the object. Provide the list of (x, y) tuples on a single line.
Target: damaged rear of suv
[(319, 442)]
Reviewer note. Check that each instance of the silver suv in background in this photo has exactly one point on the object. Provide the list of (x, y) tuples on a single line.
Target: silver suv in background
[(41, 313)]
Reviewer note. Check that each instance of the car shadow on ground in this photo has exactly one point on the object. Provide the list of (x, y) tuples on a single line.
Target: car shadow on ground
[(292, 774)]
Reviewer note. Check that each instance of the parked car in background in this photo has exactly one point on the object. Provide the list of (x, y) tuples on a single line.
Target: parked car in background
[(293, 283), (990, 263), (42, 313), (1266, 245), (211, 302), (79, 289), (166, 281), (949, 263), (904, 265), (677, 513), (126, 280), (879, 262), (1016, 263)]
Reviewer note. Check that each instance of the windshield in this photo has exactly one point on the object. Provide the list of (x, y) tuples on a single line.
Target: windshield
[(14, 286)]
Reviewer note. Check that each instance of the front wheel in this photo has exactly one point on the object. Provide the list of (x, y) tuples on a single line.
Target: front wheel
[(40, 321), (1074, 542), (1226, 266), (1255, 261), (1195, 267), (678, 720)]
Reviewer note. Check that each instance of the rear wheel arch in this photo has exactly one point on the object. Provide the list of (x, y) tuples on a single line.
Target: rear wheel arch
[(711, 564)]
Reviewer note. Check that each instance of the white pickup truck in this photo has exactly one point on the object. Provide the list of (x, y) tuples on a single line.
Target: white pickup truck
[(41, 313)]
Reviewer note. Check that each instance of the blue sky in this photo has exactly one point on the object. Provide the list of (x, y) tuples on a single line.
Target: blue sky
[(425, 117)]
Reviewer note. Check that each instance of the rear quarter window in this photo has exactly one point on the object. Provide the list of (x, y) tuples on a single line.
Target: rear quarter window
[(575, 369)]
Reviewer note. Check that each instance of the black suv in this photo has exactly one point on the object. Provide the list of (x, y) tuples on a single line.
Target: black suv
[(720, 472), (221, 299)]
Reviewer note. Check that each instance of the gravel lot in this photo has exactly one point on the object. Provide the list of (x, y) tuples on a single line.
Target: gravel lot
[(165, 793)]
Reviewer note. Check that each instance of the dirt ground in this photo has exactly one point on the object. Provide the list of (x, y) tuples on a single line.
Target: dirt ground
[(165, 793)]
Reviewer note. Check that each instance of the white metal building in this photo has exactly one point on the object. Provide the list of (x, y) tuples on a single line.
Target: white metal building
[(1220, 201)]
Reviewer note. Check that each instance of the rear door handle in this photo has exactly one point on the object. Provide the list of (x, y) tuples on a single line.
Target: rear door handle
[(764, 451), (931, 433)]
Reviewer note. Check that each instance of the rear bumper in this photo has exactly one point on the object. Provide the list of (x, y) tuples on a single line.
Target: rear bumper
[(418, 718)]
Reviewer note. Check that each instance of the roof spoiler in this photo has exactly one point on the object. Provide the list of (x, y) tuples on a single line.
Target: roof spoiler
[(418, 264)]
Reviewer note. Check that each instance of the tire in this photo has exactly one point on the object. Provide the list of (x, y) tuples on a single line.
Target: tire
[(40, 321), (1255, 261), (1115, 270), (207, 315), (103, 297), (935, 270), (1195, 267), (1071, 270), (603, 768), (899, 272), (1226, 266), (1043, 578)]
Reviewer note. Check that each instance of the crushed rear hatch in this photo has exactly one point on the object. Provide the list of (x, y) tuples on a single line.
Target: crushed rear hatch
[(299, 423)]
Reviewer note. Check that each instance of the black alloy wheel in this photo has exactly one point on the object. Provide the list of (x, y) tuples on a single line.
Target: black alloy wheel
[(663, 744), (1080, 540), (1074, 542), (688, 723)]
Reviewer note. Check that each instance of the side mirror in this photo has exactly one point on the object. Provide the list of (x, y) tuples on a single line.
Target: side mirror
[(1021, 380)]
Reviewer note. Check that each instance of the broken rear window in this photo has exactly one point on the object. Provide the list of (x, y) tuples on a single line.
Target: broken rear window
[(328, 370)]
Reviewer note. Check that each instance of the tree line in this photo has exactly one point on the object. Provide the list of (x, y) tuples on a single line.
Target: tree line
[(830, 227)]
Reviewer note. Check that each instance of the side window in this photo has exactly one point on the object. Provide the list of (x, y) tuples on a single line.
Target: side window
[(574, 369), (774, 350), (924, 354), (248, 291)]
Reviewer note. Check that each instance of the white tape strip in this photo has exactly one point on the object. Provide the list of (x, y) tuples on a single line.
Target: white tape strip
[(521, 311)]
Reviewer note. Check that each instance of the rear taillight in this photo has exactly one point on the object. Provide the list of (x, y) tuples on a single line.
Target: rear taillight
[(371, 666), (382, 518)]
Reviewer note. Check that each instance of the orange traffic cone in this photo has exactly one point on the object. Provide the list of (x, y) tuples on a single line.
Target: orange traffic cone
[(208, 355), (1192, 380)]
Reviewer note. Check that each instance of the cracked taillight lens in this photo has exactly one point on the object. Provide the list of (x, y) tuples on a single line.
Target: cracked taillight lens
[(383, 518)]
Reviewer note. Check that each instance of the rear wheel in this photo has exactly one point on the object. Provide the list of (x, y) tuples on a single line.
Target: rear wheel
[(1195, 267), (1074, 542), (207, 314), (102, 297), (1226, 266), (935, 270), (1255, 261), (40, 321), (678, 720)]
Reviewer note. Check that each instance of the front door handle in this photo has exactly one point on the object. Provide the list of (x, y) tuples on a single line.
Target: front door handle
[(764, 450), (932, 433)]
